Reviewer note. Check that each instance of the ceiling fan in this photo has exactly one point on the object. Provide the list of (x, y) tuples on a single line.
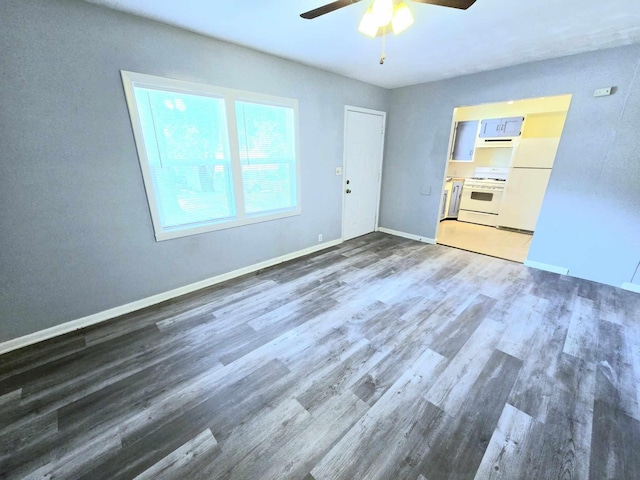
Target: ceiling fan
[(383, 14)]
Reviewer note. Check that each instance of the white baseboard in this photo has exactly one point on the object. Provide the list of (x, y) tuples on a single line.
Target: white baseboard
[(632, 287), (407, 235), (72, 325), (547, 267)]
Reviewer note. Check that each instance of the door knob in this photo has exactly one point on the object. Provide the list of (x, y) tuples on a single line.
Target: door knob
[(348, 190)]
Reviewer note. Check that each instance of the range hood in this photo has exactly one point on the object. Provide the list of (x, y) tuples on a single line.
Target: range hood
[(496, 142)]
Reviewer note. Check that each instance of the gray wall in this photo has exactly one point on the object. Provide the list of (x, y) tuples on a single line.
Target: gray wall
[(76, 234), (590, 218)]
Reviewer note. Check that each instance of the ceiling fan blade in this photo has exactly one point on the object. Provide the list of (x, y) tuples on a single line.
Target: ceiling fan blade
[(330, 7), (461, 4)]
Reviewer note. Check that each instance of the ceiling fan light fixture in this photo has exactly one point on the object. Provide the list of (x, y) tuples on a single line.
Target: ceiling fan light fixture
[(402, 18), (382, 11), (368, 24)]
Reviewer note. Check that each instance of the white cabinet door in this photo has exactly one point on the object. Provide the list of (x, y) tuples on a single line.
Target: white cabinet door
[(512, 126), (535, 152), (445, 197), (454, 203), (523, 197), (490, 128), (464, 140)]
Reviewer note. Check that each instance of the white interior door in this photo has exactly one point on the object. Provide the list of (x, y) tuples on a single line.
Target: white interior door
[(363, 147)]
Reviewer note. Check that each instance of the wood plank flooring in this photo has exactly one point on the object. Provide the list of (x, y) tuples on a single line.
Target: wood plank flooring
[(493, 241), (382, 358)]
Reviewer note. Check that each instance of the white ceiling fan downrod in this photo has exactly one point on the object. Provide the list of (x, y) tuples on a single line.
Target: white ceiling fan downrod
[(384, 42)]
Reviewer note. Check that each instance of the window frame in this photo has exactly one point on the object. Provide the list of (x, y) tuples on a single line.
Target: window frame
[(130, 80)]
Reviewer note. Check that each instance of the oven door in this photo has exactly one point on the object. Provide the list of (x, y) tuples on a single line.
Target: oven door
[(481, 199)]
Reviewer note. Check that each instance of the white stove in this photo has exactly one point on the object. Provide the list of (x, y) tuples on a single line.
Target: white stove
[(491, 174), (481, 196), (488, 183)]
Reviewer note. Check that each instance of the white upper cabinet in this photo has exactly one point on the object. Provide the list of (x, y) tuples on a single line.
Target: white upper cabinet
[(464, 141), (501, 127), (491, 128), (512, 126)]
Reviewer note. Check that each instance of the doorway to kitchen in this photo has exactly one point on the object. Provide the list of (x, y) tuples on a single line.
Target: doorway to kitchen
[(500, 162)]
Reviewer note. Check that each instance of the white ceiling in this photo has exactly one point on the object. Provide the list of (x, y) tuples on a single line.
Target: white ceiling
[(443, 42)]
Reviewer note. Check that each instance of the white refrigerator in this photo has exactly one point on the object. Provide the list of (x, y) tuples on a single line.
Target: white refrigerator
[(527, 181)]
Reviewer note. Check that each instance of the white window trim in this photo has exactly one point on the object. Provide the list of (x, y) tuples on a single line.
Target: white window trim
[(132, 79)]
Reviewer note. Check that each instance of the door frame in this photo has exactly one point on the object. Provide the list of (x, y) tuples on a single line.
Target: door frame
[(452, 136), (347, 109), (452, 140)]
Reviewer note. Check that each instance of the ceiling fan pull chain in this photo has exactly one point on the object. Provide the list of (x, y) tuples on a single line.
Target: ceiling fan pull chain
[(384, 42)]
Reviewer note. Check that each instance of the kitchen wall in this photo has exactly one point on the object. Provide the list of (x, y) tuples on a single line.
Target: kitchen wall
[(483, 157), (545, 117), (514, 108), (76, 233), (590, 219)]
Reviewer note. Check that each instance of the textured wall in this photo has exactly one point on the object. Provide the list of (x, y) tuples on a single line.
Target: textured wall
[(76, 233), (590, 218)]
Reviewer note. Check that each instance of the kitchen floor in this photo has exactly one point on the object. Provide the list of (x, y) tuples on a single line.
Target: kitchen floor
[(483, 239)]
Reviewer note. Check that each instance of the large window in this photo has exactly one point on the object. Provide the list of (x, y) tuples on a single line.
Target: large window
[(212, 157)]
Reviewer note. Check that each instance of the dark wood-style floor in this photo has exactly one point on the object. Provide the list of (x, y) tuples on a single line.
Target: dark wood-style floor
[(380, 358)]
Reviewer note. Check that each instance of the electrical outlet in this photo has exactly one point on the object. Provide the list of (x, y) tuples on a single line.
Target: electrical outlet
[(319, 237)]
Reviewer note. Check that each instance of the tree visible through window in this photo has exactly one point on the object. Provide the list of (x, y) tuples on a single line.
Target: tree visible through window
[(195, 181), (267, 155)]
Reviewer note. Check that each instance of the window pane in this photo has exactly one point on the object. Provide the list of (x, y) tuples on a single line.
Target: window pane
[(187, 146), (268, 157)]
